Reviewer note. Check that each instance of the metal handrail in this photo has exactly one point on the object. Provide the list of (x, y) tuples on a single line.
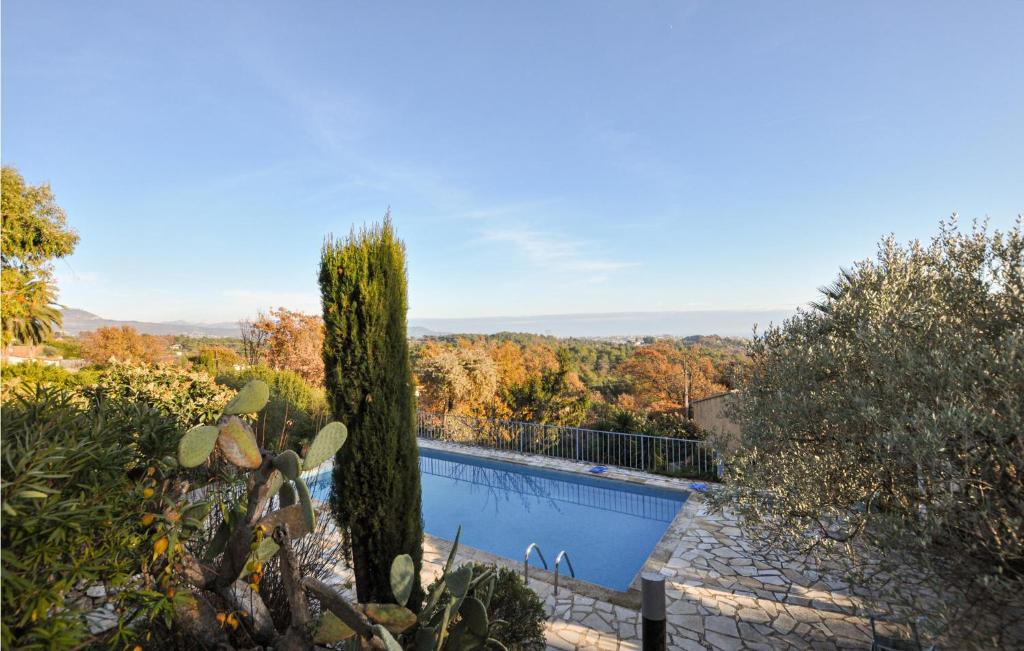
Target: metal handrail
[(526, 561), (558, 559), (644, 452)]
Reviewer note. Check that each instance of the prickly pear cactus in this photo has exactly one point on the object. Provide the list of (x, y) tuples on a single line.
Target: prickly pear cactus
[(251, 533), (326, 444), (455, 613)]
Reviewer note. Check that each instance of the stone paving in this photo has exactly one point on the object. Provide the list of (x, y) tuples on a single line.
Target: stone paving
[(721, 593)]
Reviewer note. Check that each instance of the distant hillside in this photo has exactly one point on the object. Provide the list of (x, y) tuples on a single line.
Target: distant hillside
[(77, 321), (725, 323)]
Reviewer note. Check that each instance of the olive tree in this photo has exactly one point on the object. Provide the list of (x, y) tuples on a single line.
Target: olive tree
[(883, 429)]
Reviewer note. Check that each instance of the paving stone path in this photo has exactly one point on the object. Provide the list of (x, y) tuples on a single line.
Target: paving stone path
[(721, 594)]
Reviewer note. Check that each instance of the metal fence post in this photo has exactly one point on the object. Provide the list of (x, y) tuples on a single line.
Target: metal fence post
[(652, 596)]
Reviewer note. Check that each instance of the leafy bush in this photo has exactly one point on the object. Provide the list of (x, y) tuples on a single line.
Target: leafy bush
[(477, 606), (295, 413), (30, 374), (517, 604), (189, 397), (71, 502), (67, 348), (882, 429)]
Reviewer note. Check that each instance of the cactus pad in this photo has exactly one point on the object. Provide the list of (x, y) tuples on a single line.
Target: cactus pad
[(238, 444), (389, 642), (393, 617), (275, 482), (289, 464), (326, 444), (458, 581), (403, 571), (474, 613), (306, 503), (195, 445), (250, 399), (330, 629), (287, 496)]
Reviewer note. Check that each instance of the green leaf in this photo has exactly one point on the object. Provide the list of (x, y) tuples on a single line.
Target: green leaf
[(195, 445), (326, 444), (252, 397), (35, 495), (455, 548), (403, 573)]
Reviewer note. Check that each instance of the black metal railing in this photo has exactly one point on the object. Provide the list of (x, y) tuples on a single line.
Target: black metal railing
[(655, 454)]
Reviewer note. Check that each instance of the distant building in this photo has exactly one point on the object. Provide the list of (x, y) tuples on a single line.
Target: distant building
[(710, 414)]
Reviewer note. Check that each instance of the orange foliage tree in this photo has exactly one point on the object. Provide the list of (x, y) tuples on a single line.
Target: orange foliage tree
[(295, 342), (124, 344), (461, 379), (658, 375)]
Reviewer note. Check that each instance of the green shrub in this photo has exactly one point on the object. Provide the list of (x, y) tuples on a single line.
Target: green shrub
[(66, 348), (31, 374), (882, 430), (189, 397), (72, 496), (296, 410), (515, 603), (520, 606)]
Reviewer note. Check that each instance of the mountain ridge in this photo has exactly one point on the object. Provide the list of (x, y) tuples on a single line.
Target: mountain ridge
[(679, 323)]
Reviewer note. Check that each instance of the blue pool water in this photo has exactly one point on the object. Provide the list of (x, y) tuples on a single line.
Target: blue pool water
[(608, 527)]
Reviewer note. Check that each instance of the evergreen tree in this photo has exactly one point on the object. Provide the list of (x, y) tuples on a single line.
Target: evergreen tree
[(376, 486)]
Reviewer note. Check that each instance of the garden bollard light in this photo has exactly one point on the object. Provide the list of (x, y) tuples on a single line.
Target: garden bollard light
[(652, 594)]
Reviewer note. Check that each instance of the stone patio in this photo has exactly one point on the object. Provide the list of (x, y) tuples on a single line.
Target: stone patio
[(721, 593)]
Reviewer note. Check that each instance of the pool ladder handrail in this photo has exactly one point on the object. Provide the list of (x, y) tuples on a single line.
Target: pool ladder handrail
[(558, 559), (526, 561)]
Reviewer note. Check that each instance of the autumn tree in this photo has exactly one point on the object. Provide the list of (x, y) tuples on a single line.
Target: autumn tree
[(462, 378), (216, 359), (293, 341), (662, 375), (555, 396), (376, 482), (254, 342), (124, 344), (35, 233)]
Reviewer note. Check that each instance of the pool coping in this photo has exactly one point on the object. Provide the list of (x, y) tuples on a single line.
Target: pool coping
[(656, 561)]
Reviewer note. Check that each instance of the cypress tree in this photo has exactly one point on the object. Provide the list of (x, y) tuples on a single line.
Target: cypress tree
[(375, 491)]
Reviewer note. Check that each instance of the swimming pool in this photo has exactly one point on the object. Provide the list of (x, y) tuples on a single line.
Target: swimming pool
[(607, 527)]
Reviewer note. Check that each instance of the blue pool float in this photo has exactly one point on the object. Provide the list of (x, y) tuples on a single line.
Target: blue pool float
[(597, 470), (699, 486)]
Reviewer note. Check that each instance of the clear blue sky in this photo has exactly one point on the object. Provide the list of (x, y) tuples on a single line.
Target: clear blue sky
[(537, 157)]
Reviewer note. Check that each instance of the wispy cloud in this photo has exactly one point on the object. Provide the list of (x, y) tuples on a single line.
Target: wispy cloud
[(558, 252)]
